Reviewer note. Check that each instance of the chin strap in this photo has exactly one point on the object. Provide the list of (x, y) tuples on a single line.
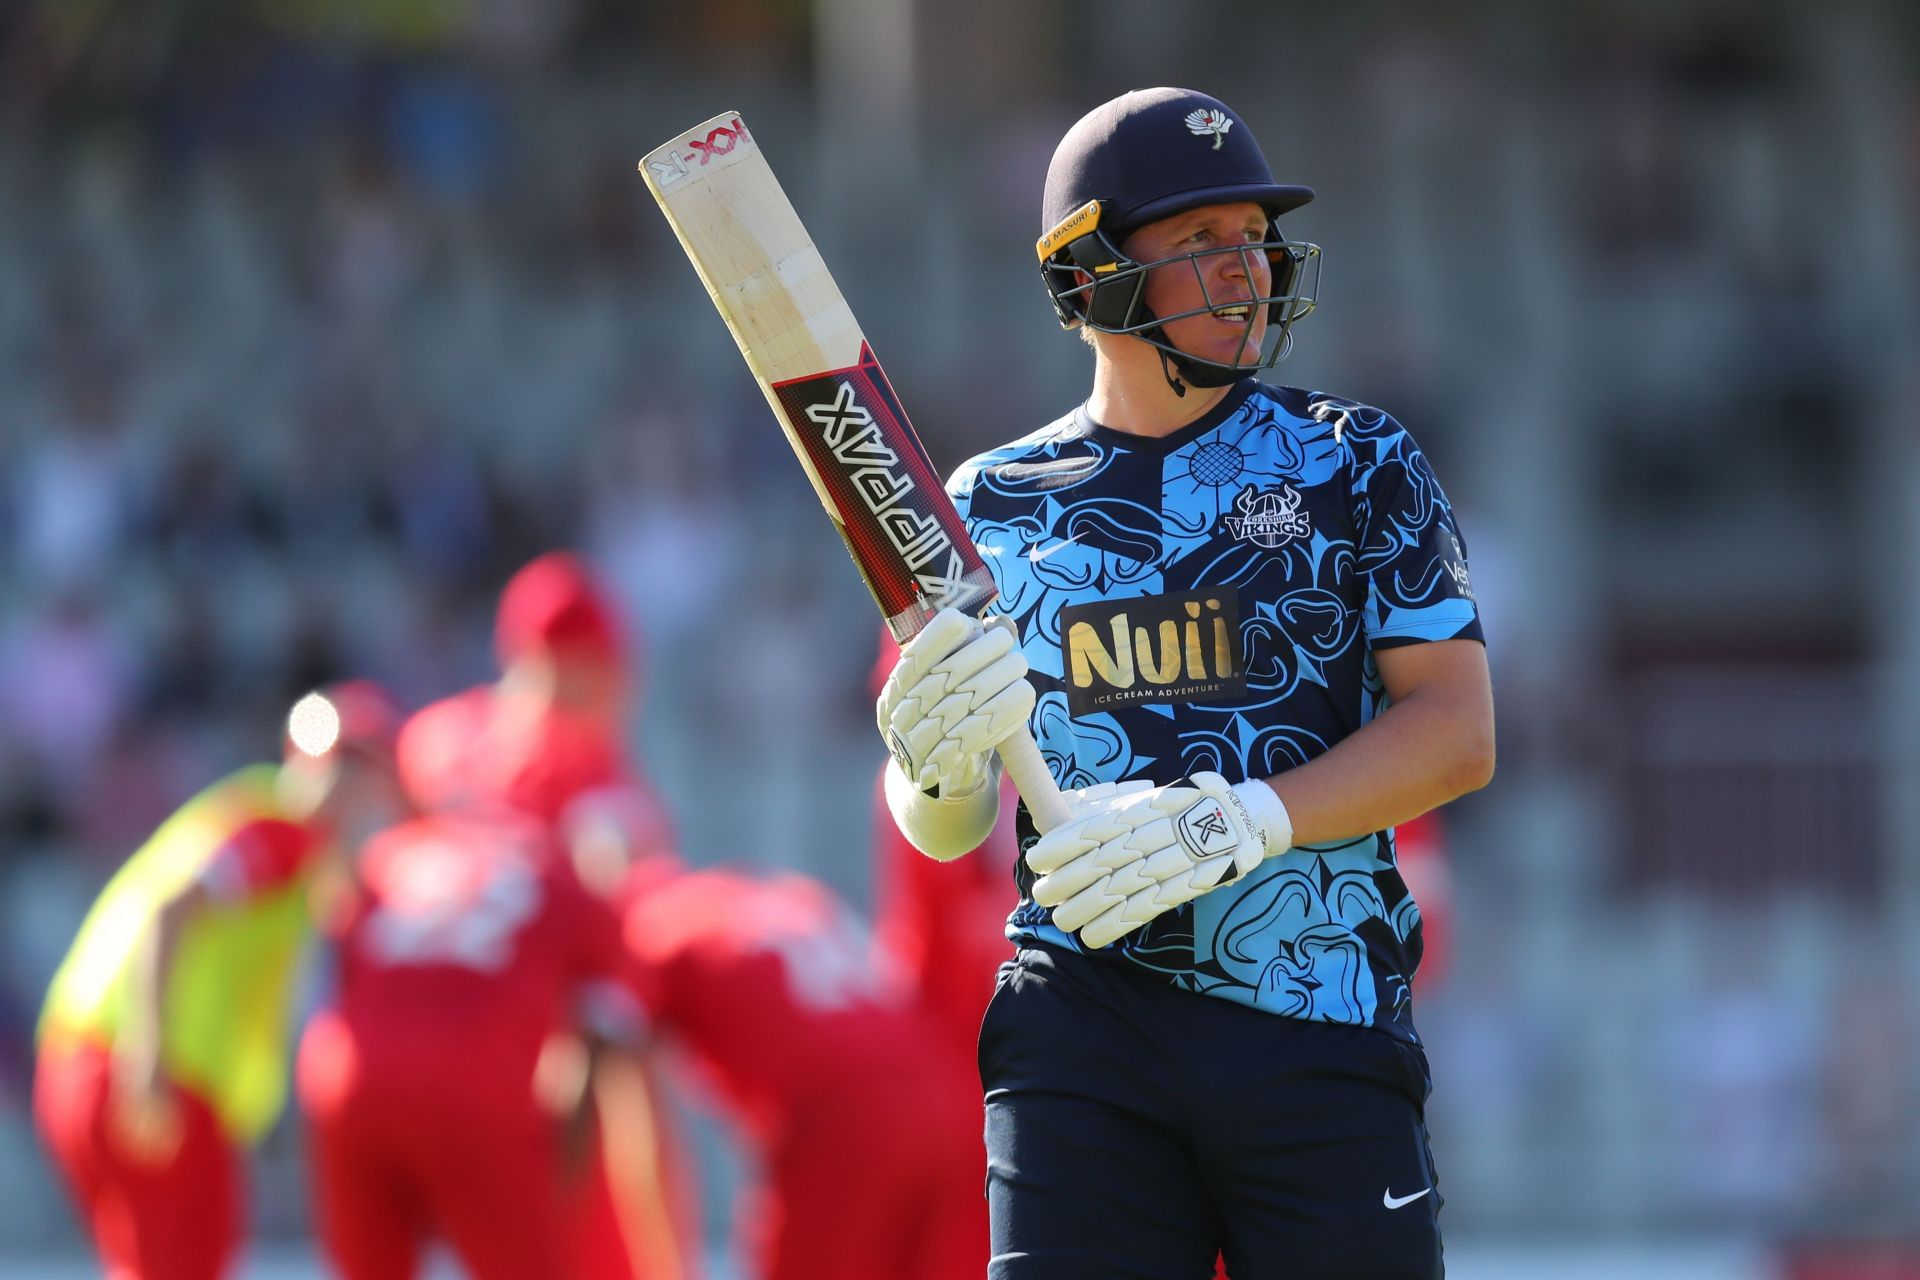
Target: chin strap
[(1166, 371), (1182, 372)]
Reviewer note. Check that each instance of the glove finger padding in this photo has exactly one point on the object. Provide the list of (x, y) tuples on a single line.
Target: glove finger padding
[(947, 631), (1120, 861), (958, 723), (958, 691), (945, 708), (1092, 821), (967, 667)]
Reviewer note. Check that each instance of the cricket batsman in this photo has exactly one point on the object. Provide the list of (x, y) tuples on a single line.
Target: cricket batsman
[(1238, 618), (162, 1053)]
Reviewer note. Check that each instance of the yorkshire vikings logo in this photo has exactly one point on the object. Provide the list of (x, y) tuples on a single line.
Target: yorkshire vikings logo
[(1213, 124), (1268, 518)]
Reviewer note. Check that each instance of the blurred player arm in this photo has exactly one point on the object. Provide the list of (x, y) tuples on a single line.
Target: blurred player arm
[(1434, 742), (622, 1088), (137, 1047), (598, 1079), (626, 1091), (257, 858), (144, 1112)]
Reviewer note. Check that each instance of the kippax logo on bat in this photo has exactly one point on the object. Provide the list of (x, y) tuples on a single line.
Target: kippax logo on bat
[(700, 152), (902, 530)]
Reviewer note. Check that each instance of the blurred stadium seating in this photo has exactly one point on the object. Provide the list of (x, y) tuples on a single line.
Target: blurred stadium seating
[(317, 319)]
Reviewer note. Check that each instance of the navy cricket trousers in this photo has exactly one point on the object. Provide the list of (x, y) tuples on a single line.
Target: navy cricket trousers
[(1135, 1129)]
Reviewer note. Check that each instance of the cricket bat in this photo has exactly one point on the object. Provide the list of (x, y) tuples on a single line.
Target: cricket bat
[(831, 397)]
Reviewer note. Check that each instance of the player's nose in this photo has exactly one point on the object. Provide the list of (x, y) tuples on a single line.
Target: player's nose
[(1237, 268), (1232, 278)]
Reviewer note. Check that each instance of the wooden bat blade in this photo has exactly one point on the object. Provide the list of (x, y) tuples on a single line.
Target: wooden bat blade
[(828, 392), (807, 352)]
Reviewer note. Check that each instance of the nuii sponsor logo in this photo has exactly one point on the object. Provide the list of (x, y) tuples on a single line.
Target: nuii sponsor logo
[(699, 152), (1212, 124), (1171, 648), (1269, 518)]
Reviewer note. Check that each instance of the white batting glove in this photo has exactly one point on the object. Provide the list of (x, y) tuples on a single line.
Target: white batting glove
[(1132, 851), (958, 691)]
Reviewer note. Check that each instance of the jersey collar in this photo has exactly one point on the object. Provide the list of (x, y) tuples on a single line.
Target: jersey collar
[(1230, 403)]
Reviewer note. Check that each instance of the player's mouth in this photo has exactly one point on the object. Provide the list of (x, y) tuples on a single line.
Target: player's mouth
[(1242, 322)]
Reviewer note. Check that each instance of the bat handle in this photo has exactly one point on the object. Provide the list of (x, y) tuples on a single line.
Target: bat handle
[(1031, 777)]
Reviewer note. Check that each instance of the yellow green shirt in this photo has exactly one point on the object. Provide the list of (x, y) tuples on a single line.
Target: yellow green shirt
[(227, 1010)]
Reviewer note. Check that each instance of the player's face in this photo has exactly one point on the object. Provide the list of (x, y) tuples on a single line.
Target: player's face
[(365, 798), (580, 683), (345, 794), (1215, 280)]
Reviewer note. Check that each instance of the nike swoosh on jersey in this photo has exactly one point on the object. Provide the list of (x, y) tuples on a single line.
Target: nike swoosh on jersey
[(1055, 471), (1038, 553), (1400, 1202)]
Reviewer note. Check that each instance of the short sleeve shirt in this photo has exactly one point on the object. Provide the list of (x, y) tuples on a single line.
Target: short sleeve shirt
[(1213, 600)]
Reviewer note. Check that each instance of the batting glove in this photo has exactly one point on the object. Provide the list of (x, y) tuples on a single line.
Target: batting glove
[(1132, 851), (958, 691)]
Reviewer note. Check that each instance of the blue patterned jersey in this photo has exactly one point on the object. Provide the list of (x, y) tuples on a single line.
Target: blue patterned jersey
[(1213, 600)]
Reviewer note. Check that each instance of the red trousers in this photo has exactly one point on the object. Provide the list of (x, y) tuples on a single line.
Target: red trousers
[(391, 1172), (175, 1219), (860, 1189)]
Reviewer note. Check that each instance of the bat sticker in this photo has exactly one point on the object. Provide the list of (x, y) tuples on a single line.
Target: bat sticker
[(899, 525)]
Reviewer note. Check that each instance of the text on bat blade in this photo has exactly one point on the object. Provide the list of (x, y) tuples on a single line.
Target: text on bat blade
[(673, 166), (719, 141), (853, 437)]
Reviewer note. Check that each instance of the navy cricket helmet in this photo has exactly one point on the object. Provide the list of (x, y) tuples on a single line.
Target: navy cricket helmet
[(1148, 155)]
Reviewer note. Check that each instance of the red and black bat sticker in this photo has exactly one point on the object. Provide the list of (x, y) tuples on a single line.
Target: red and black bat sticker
[(898, 522)]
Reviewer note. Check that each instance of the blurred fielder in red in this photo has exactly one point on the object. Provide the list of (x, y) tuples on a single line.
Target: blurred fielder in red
[(435, 1101), (867, 1132), (163, 1045), (552, 727), (1421, 853)]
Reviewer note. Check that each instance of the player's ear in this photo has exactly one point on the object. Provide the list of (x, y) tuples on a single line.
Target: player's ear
[(1081, 280)]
